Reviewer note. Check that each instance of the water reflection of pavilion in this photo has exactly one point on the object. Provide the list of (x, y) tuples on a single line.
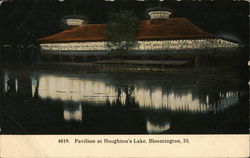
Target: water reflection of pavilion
[(86, 98), (74, 89)]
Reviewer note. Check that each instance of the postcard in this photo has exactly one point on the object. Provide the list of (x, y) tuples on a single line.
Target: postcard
[(121, 78)]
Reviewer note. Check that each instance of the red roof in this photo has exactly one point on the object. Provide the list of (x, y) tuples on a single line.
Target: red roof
[(173, 28)]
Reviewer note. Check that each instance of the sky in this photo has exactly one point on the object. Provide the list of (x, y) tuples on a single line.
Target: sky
[(24, 21)]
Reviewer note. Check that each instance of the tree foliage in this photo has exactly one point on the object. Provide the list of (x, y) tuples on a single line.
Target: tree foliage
[(121, 32)]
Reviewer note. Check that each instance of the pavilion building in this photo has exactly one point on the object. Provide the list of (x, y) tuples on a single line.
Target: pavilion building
[(160, 33)]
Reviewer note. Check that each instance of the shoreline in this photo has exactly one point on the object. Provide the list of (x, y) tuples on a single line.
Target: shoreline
[(126, 66), (84, 68)]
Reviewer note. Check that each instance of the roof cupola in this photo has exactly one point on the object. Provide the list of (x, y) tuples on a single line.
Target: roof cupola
[(159, 13)]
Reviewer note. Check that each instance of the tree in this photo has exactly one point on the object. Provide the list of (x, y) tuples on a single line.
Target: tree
[(121, 31)]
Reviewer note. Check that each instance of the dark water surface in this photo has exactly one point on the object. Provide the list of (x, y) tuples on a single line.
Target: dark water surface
[(94, 102)]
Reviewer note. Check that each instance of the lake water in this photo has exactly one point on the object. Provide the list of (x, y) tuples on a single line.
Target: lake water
[(96, 102)]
